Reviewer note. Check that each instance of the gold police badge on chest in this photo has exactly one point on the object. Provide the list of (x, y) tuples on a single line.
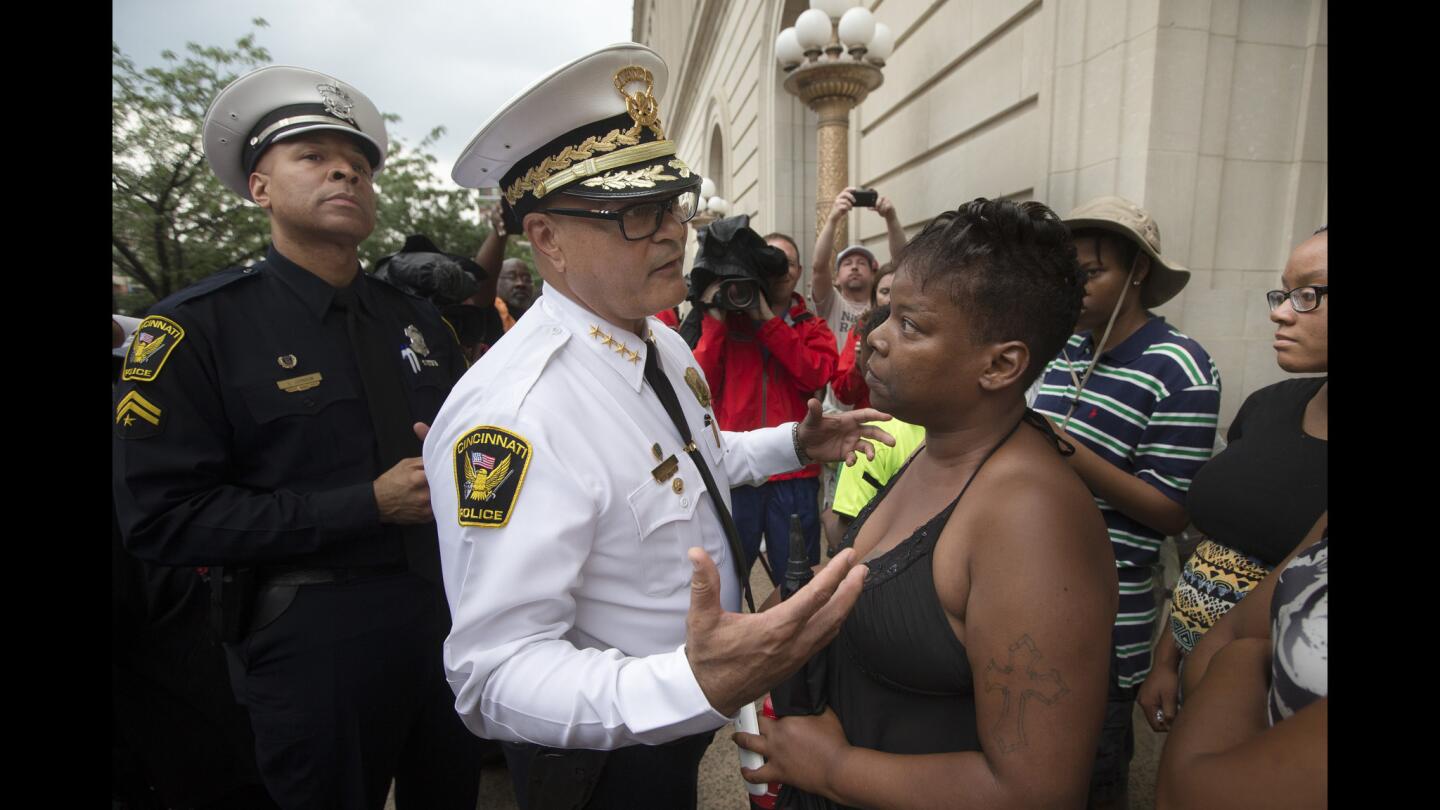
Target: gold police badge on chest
[(698, 386), (490, 465)]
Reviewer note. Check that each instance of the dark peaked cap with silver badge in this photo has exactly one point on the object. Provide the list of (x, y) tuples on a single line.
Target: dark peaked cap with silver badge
[(590, 128), (278, 102)]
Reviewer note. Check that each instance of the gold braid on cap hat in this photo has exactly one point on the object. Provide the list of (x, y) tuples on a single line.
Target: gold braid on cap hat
[(556, 171)]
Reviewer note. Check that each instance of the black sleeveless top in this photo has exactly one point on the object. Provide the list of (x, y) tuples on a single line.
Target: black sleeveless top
[(897, 677)]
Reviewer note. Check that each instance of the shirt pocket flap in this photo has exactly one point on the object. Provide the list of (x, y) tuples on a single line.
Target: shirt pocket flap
[(656, 503), (273, 400)]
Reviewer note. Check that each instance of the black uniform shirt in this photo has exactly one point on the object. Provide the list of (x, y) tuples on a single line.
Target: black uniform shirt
[(242, 434)]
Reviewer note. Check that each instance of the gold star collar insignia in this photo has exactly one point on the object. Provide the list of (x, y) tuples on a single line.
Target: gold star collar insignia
[(618, 345)]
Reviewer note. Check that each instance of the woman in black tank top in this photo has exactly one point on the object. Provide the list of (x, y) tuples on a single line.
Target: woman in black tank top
[(972, 670)]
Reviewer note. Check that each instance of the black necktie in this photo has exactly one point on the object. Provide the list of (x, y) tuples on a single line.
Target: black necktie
[(390, 415), (666, 392)]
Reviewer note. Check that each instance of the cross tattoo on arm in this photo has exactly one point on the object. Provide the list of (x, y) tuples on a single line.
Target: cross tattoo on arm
[(1018, 682)]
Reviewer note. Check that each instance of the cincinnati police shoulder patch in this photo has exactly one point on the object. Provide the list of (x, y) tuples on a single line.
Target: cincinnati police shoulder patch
[(155, 338), (490, 465), (137, 417)]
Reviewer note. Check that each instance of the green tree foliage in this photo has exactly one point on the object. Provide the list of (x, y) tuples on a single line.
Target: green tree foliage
[(172, 222)]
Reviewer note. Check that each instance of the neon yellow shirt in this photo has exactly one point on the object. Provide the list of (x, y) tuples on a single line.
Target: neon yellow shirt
[(853, 491)]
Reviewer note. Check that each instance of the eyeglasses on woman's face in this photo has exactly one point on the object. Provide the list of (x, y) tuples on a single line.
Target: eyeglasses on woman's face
[(1302, 299)]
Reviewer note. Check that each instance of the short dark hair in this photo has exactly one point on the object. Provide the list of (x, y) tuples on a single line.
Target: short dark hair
[(1010, 266), (787, 238)]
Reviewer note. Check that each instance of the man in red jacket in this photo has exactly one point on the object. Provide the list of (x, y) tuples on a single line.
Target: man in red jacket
[(763, 366)]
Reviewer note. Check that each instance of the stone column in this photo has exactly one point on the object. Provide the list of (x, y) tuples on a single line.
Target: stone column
[(834, 156), (832, 87)]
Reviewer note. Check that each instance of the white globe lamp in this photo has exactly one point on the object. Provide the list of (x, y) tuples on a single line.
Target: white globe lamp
[(856, 29), (812, 30), (881, 45), (834, 8), (787, 49)]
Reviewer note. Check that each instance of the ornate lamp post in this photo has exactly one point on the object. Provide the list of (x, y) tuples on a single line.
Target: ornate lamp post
[(833, 84)]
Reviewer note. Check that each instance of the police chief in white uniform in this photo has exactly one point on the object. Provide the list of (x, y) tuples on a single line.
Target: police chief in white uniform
[(566, 499)]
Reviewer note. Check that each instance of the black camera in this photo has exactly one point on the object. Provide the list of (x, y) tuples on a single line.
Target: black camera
[(737, 294), (737, 257), (865, 197)]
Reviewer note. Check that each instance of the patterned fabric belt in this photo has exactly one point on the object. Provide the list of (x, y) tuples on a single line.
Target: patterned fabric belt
[(299, 575), (1215, 579)]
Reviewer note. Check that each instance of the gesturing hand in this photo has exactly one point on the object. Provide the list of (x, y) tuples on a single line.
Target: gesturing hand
[(737, 657), (839, 436)]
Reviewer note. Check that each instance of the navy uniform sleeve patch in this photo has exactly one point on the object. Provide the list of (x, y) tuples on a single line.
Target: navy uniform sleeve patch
[(490, 466), (154, 340), (136, 417)]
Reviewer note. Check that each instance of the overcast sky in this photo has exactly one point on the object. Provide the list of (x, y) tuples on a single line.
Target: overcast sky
[(432, 62)]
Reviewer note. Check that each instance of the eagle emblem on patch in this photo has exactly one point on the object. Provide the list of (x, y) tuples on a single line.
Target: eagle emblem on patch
[(490, 465), (155, 339)]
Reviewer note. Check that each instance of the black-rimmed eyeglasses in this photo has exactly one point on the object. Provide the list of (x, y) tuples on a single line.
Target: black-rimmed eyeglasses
[(641, 220), (1302, 299)]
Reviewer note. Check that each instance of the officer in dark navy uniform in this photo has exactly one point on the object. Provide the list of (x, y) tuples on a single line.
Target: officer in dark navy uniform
[(268, 426)]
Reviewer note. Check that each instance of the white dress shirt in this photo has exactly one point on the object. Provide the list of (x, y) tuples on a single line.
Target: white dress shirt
[(569, 621)]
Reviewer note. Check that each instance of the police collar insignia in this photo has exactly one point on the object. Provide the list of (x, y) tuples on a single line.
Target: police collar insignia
[(417, 341), (618, 345), (337, 102), (698, 386), (287, 361), (490, 464), (155, 339)]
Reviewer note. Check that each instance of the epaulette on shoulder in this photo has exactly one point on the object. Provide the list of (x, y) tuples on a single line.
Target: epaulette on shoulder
[(211, 283), (521, 359)]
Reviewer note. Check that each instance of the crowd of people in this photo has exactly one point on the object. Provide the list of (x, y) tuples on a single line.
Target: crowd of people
[(394, 524)]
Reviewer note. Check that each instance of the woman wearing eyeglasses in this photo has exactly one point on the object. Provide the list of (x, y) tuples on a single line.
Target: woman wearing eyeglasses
[(1256, 499)]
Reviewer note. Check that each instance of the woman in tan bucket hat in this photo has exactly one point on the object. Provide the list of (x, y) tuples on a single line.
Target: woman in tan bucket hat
[(1141, 401)]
